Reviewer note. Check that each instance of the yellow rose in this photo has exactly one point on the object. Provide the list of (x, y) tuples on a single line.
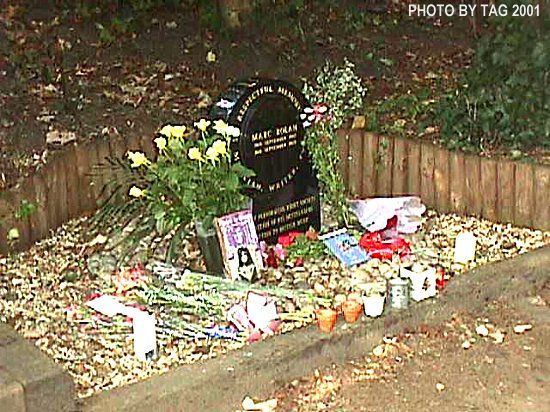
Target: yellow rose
[(13, 234), (220, 147), (194, 154), (220, 127), (212, 154), (138, 159), (136, 192), (233, 131), (166, 131), (178, 131), (202, 125), (161, 143)]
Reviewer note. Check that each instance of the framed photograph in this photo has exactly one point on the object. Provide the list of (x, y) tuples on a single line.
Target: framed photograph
[(240, 245)]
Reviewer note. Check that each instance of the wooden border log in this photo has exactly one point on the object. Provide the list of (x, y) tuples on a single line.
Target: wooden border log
[(525, 194), (506, 190), (399, 172), (489, 193), (384, 166), (370, 145), (541, 217), (355, 163), (441, 180), (472, 184), (427, 165), (456, 183), (414, 169)]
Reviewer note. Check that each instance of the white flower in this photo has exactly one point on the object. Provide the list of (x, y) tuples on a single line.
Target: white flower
[(170, 131), (194, 154), (178, 131)]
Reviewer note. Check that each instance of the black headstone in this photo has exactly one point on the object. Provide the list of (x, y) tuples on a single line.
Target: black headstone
[(285, 193)]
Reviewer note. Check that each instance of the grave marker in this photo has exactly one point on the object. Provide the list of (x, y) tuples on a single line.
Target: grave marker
[(285, 194)]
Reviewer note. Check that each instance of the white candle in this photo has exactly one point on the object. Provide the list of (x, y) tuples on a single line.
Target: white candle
[(145, 337), (465, 247)]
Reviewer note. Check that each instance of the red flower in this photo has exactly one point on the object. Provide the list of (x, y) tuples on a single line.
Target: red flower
[(271, 260), (440, 278), (383, 249), (288, 239), (299, 262)]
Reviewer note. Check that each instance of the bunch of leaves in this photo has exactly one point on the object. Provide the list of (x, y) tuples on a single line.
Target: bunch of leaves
[(343, 92), (504, 99), (401, 113), (305, 248), (192, 179)]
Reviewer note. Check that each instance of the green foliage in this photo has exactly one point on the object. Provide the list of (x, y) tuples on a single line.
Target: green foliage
[(393, 114), (192, 179), (25, 210), (304, 248), (342, 91), (210, 16), (504, 102)]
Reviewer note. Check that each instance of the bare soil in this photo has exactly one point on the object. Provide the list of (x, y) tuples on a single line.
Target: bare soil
[(511, 376), (58, 73), (428, 368)]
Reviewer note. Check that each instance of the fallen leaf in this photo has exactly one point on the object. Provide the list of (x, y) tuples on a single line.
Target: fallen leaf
[(498, 336), (482, 330), (522, 328), (211, 57)]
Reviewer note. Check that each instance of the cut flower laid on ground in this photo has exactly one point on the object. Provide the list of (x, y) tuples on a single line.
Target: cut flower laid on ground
[(43, 294)]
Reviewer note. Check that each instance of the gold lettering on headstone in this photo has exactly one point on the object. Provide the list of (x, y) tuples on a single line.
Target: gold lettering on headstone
[(285, 218)]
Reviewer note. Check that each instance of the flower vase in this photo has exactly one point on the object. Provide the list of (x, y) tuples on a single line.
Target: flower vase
[(374, 305), (210, 248)]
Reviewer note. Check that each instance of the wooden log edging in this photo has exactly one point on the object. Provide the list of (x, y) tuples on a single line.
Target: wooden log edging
[(69, 185), (500, 190)]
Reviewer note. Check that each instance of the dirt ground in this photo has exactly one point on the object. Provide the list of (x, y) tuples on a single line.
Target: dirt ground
[(59, 73), (511, 376), (430, 368)]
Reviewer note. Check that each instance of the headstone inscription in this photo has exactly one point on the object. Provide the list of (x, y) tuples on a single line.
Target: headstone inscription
[(285, 194)]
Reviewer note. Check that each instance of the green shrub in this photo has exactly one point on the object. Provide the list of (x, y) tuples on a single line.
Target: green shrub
[(504, 102), (341, 89)]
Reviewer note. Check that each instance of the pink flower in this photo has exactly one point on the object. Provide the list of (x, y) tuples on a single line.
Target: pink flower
[(280, 251)]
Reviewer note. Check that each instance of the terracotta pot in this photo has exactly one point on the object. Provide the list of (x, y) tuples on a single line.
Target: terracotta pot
[(352, 310), (326, 319)]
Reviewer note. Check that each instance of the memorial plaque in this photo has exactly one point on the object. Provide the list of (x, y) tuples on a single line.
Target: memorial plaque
[(285, 194)]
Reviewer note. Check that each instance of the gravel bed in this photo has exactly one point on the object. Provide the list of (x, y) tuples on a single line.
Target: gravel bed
[(43, 291)]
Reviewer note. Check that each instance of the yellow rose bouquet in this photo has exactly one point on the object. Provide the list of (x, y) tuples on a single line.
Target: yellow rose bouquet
[(192, 179)]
